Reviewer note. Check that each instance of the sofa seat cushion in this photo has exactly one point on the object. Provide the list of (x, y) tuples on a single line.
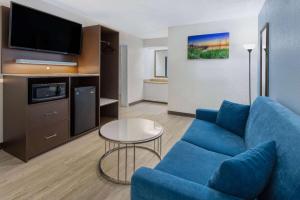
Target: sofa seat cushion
[(214, 138), (191, 162)]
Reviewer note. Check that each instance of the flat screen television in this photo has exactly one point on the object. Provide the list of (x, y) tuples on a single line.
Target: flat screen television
[(31, 29)]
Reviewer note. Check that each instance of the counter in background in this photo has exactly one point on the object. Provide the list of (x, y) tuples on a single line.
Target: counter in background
[(156, 90)]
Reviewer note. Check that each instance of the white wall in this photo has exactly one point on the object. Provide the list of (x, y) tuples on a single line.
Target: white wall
[(155, 42), (153, 91), (160, 63), (150, 45), (206, 83), (149, 61), (135, 66), (140, 62)]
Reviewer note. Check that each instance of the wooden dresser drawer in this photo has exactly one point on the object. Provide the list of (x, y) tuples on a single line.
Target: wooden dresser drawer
[(45, 138), (48, 113)]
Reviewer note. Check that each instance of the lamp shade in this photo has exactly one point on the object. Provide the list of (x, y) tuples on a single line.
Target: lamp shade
[(249, 46)]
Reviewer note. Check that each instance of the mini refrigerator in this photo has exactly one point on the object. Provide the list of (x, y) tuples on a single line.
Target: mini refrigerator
[(85, 109)]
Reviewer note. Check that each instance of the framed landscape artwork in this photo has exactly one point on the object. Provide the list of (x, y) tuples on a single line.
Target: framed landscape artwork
[(209, 46)]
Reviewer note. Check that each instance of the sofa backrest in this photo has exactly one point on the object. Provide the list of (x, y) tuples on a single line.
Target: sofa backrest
[(269, 120)]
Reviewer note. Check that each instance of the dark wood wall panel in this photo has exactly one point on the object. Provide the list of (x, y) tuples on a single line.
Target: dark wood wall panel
[(9, 56), (89, 60), (110, 65), (14, 116)]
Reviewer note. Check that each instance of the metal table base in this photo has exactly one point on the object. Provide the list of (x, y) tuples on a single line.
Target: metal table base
[(117, 147)]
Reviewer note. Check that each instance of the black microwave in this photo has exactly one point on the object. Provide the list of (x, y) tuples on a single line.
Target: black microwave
[(42, 92)]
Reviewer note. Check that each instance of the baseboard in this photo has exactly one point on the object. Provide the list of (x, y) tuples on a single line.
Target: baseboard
[(143, 100), (181, 114), (155, 101), (136, 102)]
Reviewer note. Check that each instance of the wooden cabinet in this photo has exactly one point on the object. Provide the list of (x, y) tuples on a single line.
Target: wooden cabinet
[(100, 54), (43, 139), (31, 129), (47, 126), (48, 113)]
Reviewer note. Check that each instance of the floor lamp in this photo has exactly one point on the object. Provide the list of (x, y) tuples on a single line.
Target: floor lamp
[(249, 48)]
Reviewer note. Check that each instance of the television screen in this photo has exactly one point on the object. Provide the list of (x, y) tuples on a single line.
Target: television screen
[(35, 30)]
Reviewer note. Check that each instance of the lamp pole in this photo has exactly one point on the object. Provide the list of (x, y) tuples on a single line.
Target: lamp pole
[(250, 50)]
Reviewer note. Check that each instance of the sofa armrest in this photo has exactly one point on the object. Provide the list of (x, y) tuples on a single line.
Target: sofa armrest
[(207, 115), (149, 184)]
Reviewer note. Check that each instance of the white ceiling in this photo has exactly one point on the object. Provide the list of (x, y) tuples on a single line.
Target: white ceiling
[(151, 18)]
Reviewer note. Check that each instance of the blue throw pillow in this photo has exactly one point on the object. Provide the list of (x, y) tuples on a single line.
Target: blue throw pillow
[(233, 117), (245, 175)]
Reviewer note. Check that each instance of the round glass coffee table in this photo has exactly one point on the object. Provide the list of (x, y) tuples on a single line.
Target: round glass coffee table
[(125, 134)]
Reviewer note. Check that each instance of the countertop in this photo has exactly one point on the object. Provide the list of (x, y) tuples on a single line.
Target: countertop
[(52, 75), (157, 81)]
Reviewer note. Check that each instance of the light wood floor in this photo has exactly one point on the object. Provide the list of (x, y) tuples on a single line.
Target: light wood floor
[(71, 171)]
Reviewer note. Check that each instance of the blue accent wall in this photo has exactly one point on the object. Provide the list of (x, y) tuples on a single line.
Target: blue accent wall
[(284, 19)]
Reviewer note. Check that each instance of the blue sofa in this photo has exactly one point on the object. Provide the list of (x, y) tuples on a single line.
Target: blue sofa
[(184, 172)]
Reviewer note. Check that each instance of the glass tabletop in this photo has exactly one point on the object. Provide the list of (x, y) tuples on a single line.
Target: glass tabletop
[(133, 130)]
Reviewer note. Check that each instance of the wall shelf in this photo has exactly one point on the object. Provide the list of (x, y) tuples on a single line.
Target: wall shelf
[(109, 81), (45, 62), (107, 101)]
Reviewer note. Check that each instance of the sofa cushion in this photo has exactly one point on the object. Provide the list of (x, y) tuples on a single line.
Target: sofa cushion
[(214, 138), (151, 184), (233, 117), (245, 175), (207, 115), (268, 120), (191, 162)]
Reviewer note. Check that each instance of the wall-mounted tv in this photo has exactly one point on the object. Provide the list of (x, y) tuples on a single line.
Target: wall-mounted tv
[(31, 29)]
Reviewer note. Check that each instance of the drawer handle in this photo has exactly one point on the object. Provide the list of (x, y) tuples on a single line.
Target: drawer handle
[(51, 136), (50, 113)]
